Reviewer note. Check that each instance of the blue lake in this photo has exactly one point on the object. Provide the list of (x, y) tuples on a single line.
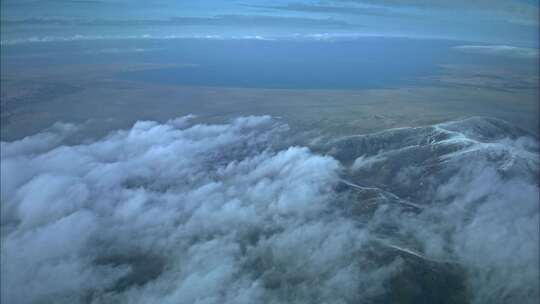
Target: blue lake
[(359, 64)]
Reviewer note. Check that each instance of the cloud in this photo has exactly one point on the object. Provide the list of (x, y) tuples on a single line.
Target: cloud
[(178, 212), (225, 26), (520, 11), (493, 220), (44, 39), (476, 184), (333, 9), (213, 203), (499, 50), (501, 22), (218, 20)]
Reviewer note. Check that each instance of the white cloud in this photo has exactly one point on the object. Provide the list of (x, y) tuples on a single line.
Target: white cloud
[(478, 182), (182, 213), (215, 203), (500, 50)]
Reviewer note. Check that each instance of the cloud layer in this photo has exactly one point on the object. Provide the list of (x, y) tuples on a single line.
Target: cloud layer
[(500, 50), (512, 22), (473, 184), (194, 213)]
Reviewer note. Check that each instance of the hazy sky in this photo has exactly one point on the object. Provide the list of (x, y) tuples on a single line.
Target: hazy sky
[(489, 21)]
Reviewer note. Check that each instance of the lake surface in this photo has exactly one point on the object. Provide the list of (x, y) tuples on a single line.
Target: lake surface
[(359, 64)]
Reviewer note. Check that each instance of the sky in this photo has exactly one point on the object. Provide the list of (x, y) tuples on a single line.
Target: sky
[(502, 22)]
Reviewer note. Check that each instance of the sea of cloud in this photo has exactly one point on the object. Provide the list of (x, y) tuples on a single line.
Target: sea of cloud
[(179, 212)]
